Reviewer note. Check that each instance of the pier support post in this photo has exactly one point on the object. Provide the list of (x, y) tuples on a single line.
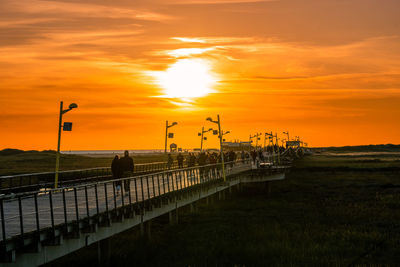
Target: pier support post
[(173, 217), (141, 226), (192, 207), (103, 252), (8, 257), (148, 229), (268, 187), (170, 216)]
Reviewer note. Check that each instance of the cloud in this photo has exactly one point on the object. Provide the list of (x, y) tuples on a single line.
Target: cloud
[(208, 2), (304, 62), (68, 9)]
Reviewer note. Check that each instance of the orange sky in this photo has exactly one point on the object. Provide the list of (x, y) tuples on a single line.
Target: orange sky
[(328, 71)]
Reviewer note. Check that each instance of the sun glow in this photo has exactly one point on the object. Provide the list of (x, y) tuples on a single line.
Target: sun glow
[(187, 78)]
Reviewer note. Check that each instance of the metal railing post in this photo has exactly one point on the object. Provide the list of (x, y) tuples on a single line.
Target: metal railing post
[(36, 213), (65, 209), (3, 221), (21, 219)]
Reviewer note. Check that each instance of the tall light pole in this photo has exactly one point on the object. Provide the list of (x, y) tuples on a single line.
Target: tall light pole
[(277, 146), (287, 133), (166, 133), (220, 134), (256, 136), (250, 142), (265, 140), (202, 136), (67, 127), (271, 139)]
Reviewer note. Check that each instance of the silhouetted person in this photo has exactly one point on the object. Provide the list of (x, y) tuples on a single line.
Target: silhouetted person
[(260, 155), (170, 161), (254, 156), (127, 167), (180, 160), (242, 156), (201, 160), (193, 160), (116, 172)]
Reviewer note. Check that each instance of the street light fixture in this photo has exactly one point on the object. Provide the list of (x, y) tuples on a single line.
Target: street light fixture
[(283, 142), (278, 148), (271, 139), (287, 133), (224, 133), (256, 136), (166, 133), (220, 134), (203, 138), (66, 127)]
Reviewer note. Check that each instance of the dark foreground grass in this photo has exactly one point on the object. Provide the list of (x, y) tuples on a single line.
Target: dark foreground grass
[(317, 218)]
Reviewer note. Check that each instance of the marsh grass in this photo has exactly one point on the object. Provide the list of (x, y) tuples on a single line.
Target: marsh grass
[(44, 161), (313, 218)]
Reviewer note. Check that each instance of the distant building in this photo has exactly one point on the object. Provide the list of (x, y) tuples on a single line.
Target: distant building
[(236, 145), (173, 147)]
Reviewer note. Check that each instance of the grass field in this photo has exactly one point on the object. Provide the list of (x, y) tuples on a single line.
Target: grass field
[(43, 161), (332, 215)]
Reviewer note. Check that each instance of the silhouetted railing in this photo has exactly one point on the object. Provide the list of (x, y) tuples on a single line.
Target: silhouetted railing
[(67, 209), (36, 181)]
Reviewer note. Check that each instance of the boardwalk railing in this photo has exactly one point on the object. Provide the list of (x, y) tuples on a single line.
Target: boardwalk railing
[(36, 181), (42, 215)]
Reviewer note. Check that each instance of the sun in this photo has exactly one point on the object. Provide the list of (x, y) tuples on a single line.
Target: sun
[(186, 79)]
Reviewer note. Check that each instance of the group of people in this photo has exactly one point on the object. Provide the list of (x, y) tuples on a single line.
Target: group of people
[(122, 167), (204, 158), (262, 155)]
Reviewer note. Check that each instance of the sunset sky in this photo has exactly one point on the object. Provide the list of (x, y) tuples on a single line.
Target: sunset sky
[(325, 70)]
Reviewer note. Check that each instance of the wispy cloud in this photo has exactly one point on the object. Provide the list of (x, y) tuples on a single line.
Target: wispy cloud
[(207, 2), (68, 9), (189, 40)]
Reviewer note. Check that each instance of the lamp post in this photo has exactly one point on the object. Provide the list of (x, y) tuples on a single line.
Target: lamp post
[(250, 142), (256, 136), (265, 140), (283, 142), (220, 134), (271, 140), (287, 133), (66, 127), (277, 146), (202, 138), (166, 133)]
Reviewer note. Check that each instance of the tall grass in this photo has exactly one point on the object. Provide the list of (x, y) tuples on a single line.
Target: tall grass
[(313, 218)]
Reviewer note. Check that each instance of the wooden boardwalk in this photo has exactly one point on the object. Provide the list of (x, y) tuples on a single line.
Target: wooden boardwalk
[(25, 213)]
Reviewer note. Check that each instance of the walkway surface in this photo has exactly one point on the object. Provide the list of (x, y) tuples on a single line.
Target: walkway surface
[(21, 214)]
